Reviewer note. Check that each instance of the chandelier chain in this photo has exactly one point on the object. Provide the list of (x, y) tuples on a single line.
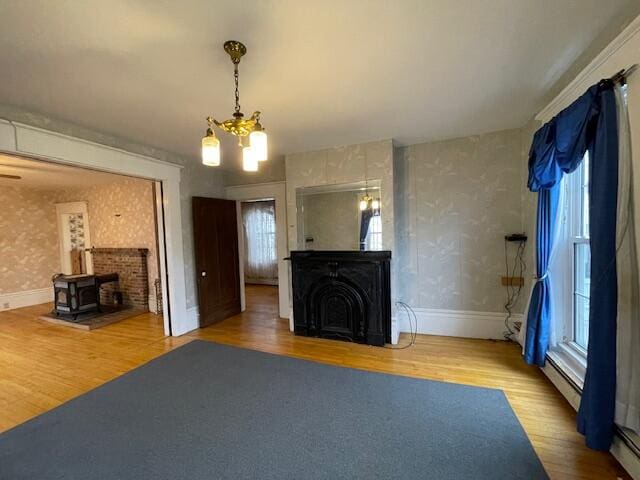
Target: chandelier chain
[(235, 77)]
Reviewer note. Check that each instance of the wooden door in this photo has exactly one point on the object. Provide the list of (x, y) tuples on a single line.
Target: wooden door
[(215, 235)]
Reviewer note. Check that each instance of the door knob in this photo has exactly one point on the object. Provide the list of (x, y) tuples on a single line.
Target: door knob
[(203, 274)]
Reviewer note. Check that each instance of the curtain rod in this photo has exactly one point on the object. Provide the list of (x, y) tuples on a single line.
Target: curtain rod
[(622, 75)]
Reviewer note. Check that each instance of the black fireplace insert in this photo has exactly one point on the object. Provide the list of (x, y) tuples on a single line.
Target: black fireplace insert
[(343, 295)]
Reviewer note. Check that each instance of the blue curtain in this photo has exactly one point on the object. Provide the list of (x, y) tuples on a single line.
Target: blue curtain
[(365, 220), (538, 321), (590, 123), (597, 407)]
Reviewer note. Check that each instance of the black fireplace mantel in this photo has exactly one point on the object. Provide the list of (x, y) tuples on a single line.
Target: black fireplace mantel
[(342, 295)]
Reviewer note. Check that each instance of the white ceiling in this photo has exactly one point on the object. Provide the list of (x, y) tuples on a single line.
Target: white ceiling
[(323, 73), (50, 176)]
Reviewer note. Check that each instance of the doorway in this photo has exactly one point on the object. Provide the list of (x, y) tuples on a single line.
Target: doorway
[(56, 148), (260, 255), (267, 191), (81, 247)]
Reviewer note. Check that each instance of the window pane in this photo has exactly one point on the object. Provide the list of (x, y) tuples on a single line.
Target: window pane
[(582, 321), (585, 196), (374, 235), (582, 283)]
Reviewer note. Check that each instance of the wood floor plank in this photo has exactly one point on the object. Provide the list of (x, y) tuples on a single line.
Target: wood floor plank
[(44, 365)]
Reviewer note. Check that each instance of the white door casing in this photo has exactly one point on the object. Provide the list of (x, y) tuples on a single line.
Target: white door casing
[(25, 140)]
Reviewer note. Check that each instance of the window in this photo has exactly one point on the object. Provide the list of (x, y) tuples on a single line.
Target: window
[(570, 277), (578, 210), (261, 264), (374, 235)]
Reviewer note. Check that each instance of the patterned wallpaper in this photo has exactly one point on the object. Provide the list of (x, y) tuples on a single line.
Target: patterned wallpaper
[(196, 180), (28, 239), (529, 207), (333, 220), (270, 171), (121, 215), (455, 202)]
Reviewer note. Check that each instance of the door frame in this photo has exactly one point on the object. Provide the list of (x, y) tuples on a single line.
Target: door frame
[(277, 192), (27, 141), (67, 208)]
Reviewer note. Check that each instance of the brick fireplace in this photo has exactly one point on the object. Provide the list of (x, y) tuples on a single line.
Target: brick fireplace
[(131, 266)]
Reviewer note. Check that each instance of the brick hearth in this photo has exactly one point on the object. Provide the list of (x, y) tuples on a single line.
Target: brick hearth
[(131, 266)]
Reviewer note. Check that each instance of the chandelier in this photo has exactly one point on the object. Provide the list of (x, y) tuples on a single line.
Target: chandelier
[(369, 203), (257, 150)]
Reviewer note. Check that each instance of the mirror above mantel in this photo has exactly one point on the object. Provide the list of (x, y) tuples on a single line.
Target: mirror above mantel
[(340, 216)]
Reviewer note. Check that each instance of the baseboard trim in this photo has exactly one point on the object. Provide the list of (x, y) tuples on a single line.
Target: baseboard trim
[(455, 323), (26, 298)]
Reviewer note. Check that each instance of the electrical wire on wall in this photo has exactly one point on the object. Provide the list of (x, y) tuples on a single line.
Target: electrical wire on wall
[(513, 272)]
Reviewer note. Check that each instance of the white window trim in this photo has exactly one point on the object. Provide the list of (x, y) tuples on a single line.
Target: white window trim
[(570, 357)]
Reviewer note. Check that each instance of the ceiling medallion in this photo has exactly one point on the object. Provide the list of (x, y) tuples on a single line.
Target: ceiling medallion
[(257, 150)]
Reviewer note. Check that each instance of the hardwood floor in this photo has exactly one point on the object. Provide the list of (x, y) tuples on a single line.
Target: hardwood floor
[(44, 365)]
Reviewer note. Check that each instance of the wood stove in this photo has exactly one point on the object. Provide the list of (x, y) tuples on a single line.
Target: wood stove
[(77, 294)]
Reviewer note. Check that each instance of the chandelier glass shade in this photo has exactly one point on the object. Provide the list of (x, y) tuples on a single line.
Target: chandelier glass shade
[(237, 125), (210, 149), (249, 160)]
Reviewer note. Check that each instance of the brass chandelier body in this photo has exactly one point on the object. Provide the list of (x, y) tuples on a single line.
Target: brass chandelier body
[(239, 126)]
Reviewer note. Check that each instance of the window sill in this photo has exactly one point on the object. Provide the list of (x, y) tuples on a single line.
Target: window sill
[(571, 361)]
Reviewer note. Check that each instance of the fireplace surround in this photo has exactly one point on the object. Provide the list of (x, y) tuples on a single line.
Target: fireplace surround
[(133, 276), (342, 295)]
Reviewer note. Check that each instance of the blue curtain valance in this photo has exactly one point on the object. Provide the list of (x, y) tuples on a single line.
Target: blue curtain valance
[(559, 146)]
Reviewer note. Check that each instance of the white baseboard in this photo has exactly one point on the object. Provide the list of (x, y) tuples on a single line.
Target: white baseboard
[(455, 323), (395, 330), (9, 301)]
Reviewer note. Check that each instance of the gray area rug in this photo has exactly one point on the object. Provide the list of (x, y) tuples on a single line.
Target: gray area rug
[(208, 411)]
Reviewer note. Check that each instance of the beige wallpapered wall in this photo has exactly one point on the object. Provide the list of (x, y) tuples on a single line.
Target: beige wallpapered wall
[(28, 239), (456, 200), (120, 215)]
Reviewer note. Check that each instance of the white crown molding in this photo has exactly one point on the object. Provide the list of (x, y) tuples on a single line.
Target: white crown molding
[(89, 143), (595, 69)]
